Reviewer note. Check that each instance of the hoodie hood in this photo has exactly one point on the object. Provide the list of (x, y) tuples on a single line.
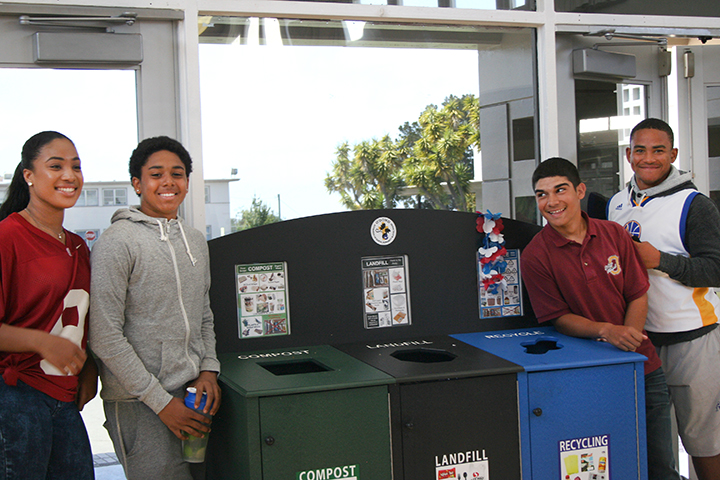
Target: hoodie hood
[(163, 225), (676, 180)]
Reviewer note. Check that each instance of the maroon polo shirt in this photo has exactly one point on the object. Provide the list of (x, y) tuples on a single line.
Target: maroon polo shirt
[(595, 280)]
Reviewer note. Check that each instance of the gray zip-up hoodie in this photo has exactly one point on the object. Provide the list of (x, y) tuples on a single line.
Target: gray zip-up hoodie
[(151, 325)]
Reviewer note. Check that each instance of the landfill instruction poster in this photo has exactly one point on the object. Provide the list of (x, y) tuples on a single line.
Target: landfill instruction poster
[(386, 296), (471, 465), (262, 299)]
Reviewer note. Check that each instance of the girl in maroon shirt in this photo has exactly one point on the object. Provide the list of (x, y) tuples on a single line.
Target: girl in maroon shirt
[(44, 297)]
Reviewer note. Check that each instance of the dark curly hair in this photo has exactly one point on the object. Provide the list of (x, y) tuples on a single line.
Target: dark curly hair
[(556, 167), (152, 145)]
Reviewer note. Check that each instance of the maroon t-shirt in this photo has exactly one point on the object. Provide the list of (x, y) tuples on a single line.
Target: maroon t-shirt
[(595, 280), (43, 285)]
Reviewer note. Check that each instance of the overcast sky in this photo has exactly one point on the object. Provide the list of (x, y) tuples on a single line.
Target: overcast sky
[(277, 114), (95, 108)]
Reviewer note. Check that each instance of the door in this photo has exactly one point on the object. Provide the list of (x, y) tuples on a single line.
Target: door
[(581, 420), (105, 81), (608, 102), (608, 87), (460, 428), (103, 97), (156, 47), (336, 434), (698, 85)]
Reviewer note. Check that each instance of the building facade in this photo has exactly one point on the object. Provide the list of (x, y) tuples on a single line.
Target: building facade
[(555, 78), (99, 200)]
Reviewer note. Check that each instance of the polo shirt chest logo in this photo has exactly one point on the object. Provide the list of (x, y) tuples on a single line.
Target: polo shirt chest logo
[(613, 266)]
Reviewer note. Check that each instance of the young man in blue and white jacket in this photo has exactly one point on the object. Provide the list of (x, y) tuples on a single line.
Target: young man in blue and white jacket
[(678, 237)]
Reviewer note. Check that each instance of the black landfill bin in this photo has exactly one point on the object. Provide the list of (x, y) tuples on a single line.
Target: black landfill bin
[(454, 408)]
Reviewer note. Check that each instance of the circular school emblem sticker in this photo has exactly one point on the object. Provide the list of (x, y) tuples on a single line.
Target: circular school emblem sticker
[(383, 231)]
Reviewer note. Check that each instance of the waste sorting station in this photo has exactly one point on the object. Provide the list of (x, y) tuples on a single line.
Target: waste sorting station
[(350, 349)]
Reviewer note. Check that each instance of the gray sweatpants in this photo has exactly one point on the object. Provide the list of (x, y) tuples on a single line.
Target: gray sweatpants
[(147, 449)]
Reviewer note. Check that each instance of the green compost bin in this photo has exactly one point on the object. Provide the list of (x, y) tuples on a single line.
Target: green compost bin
[(300, 414)]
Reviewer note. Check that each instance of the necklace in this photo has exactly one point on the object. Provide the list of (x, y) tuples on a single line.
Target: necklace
[(44, 227)]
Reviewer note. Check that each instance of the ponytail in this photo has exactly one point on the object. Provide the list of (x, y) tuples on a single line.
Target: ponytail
[(18, 194)]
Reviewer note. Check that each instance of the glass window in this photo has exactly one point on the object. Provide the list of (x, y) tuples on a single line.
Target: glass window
[(305, 97), (713, 121), (523, 139), (88, 198), (67, 101), (709, 8), (114, 196), (475, 4), (74, 102), (606, 113), (526, 209)]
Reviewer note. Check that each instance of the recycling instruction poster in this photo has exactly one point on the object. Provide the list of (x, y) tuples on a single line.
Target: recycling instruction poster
[(585, 458), (262, 300), (386, 296)]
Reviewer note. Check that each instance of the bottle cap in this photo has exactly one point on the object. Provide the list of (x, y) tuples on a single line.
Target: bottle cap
[(190, 399)]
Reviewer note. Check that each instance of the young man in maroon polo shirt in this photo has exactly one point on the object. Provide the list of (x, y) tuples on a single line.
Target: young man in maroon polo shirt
[(585, 276)]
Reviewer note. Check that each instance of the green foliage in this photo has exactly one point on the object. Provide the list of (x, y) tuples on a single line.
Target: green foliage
[(257, 215), (433, 154)]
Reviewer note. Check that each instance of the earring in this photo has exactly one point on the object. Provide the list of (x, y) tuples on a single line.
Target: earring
[(137, 191), (29, 184)]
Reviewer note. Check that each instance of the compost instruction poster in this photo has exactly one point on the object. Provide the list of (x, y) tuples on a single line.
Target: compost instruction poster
[(386, 296), (262, 300)]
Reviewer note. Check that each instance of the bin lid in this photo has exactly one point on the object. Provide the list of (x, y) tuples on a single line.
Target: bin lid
[(295, 370), (429, 358), (544, 348)]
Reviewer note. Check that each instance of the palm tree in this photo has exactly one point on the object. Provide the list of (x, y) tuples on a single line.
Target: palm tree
[(434, 154)]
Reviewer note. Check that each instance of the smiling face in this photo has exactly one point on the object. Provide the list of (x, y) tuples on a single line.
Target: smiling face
[(651, 156), (162, 186), (559, 202), (56, 179)]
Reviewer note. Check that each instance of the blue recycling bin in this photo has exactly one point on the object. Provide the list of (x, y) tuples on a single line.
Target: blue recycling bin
[(581, 404)]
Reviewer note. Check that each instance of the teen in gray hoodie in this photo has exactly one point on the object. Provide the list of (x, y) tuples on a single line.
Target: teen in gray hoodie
[(150, 320)]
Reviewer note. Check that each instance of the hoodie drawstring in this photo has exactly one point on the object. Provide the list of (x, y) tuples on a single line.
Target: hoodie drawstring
[(164, 238), (187, 245), (163, 235)]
